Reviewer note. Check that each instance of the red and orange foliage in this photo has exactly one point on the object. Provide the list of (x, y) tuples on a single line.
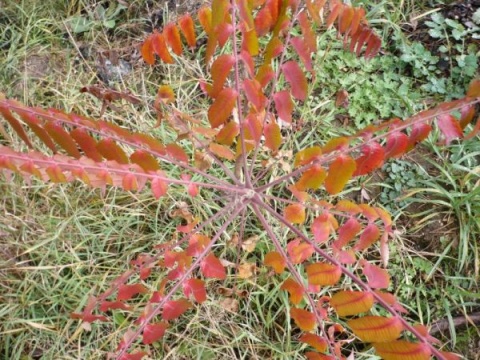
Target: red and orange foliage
[(254, 86)]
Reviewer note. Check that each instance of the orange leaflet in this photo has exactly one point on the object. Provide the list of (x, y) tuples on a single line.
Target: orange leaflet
[(145, 160), (294, 289), (302, 50), (221, 67), (298, 82), (347, 232), (175, 151), (273, 136), (295, 213), (474, 88), (402, 350), (348, 303), (339, 172), (147, 51), (299, 251), (306, 156), (250, 42), (254, 93), (274, 48), (87, 143), (187, 27), (304, 319), (205, 19), (175, 308), (315, 341), (312, 178), (222, 107), (172, 36), (228, 133), (376, 328), (323, 274), (276, 261), (159, 46), (368, 237), (197, 244), (418, 134), (55, 174), (111, 151), (62, 138), (221, 151), (129, 182)]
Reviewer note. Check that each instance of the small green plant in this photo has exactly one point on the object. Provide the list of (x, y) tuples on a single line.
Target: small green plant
[(400, 175), (225, 166), (98, 17)]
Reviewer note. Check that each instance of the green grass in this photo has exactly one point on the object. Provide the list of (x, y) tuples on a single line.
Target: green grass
[(61, 243)]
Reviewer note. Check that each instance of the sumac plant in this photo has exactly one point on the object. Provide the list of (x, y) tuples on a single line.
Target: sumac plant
[(259, 55)]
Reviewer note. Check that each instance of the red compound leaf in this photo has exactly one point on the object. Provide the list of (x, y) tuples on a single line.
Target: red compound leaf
[(284, 105), (212, 268), (126, 292), (298, 82), (175, 308), (195, 288), (378, 278), (372, 158), (154, 332), (450, 127)]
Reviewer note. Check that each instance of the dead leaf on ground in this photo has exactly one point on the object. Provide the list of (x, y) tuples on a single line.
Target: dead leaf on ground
[(229, 304), (248, 245), (246, 270)]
